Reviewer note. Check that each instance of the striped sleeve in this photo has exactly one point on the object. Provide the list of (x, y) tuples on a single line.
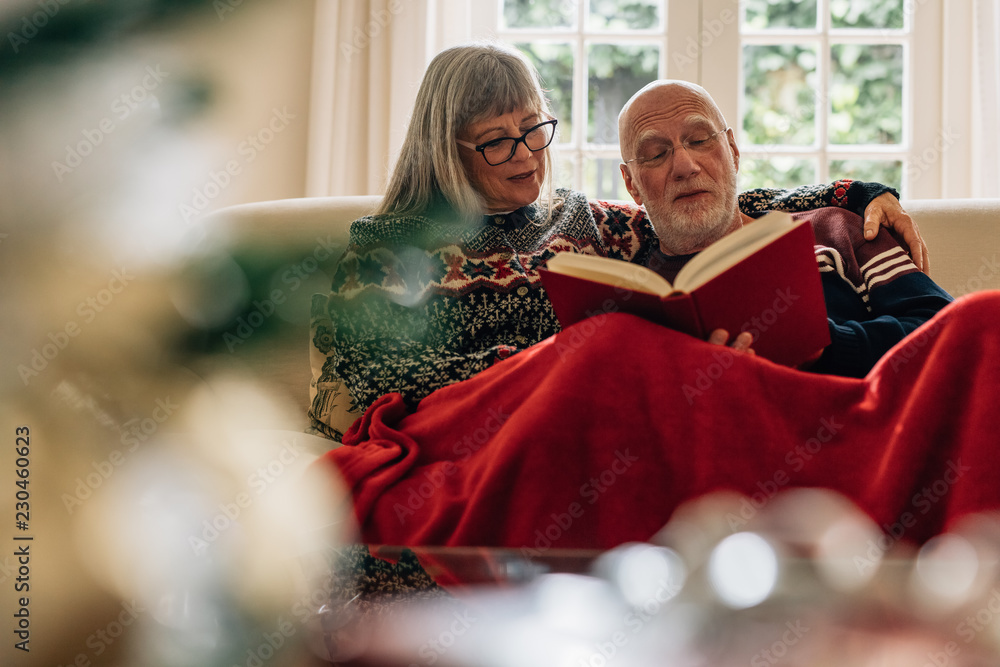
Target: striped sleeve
[(842, 248), (875, 296)]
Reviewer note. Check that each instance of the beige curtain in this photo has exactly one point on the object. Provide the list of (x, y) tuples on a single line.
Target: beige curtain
[(971, 98), (369, 57), (986, 99)]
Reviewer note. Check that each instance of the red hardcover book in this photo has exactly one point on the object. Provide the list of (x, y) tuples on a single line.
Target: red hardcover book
[(762, 278)]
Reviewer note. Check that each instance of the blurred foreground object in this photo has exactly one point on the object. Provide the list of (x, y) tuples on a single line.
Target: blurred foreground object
[(162, 516), (804, 579)]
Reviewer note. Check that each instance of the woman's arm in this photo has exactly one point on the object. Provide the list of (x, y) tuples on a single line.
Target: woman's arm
[(377, 347), (886, 211), (878, 204), (405, 319)]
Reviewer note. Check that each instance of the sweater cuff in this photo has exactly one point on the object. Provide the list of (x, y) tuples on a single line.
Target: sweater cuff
[(844, 355), (861, 193)]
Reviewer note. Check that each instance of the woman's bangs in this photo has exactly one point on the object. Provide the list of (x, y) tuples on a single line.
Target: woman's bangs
[(502, 92)]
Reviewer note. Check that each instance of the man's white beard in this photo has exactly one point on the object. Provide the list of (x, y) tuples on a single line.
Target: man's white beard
[(682, 233)]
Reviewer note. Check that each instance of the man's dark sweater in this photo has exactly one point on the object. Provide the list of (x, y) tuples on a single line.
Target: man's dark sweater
[(874, 294)]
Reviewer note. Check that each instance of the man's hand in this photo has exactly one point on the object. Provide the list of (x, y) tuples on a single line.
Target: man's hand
[(885, 210), (741, 343)]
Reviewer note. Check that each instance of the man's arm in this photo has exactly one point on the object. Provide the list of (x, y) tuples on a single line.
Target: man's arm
[(875, 295), (897, 309)]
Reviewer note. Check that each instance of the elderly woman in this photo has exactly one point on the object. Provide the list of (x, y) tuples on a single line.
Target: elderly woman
[(442, 282)]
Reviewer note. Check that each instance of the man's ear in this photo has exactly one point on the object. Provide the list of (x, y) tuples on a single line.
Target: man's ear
[(731, 137), (629, 185)]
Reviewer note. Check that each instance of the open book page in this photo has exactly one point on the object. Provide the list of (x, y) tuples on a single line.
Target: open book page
[(732, 249), (762, 279), (614, 272)]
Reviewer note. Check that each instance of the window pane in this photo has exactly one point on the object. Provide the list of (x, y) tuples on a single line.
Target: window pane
[(624, 14), (888, 172), (764, 14), (539, 14), (602, 179), (554, 63), (776, 172), (615, 73), (563, 163), (779, 105), (866, 13), (866, 94)]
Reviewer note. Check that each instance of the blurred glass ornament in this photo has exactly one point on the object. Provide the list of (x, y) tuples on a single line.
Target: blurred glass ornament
[(213, 528), (743, 569)]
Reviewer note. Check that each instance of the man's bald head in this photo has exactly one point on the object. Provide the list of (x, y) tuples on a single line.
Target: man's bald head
[(680, 163), (659, 95)]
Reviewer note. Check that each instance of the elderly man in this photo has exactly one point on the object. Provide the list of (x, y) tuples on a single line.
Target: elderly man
[(680, 162)]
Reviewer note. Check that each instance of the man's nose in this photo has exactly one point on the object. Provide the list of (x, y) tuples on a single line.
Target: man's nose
[(683, 164)]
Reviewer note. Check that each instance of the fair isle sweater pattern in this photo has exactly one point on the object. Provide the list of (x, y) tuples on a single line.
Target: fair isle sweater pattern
[(417, 304)]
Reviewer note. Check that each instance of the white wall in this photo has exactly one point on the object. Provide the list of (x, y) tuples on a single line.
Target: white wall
[(259, 57)]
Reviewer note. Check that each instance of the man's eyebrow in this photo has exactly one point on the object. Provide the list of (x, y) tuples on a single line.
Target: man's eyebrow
[(697, 122), (649, 137)]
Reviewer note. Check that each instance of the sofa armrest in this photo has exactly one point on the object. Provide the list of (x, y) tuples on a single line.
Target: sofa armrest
[(963, 236), (289, 220)]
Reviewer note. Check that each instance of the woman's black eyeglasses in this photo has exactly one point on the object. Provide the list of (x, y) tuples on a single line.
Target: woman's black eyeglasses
[(500, 150)]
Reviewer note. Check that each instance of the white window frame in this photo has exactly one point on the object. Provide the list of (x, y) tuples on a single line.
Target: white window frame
[(916, 117), (574, 146), (701, 41)]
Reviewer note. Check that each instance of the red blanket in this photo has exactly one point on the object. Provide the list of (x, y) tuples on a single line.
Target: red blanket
[(594, 437)]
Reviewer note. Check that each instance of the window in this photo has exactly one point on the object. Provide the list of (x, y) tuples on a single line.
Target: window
[(823, 91), (592, 56), (815, 89)]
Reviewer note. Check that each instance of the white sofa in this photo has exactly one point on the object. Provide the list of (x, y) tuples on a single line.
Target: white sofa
[(963, 236)]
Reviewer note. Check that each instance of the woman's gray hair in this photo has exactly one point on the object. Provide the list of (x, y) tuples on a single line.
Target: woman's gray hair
[(462, 85)]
